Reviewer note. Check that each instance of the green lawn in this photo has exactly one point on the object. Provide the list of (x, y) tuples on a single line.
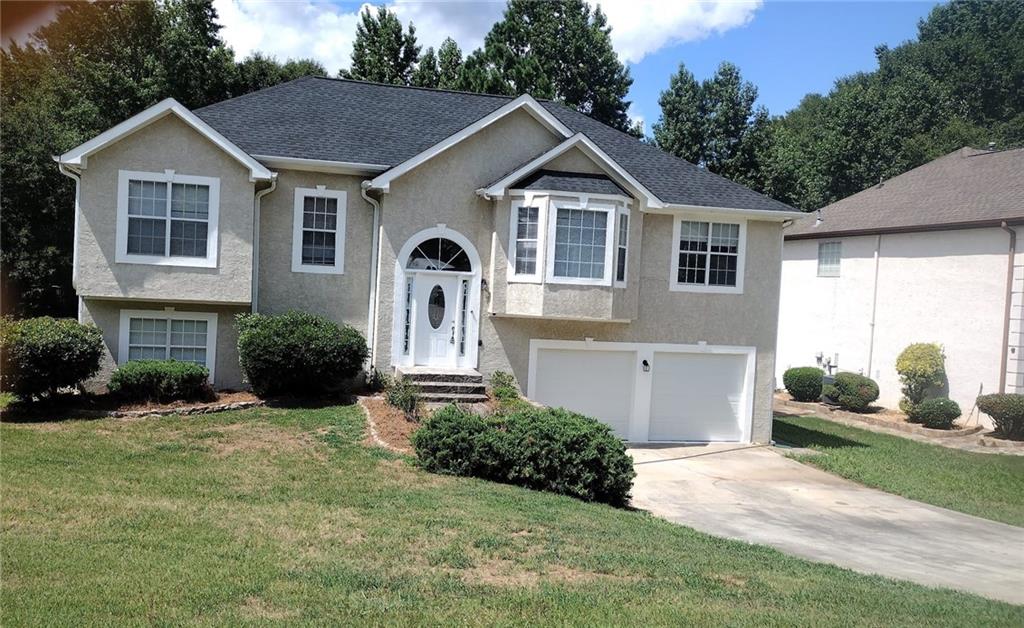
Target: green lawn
[(281, 514), (986, 485)]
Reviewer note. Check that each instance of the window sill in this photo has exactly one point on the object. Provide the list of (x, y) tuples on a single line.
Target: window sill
[(579, 281), (318, 270), (151, 260), (524, 279), (677, 287)]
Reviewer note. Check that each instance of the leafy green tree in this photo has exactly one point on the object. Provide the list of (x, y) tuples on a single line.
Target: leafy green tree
[(383, 52), (426, 73), (258, 71), (449, 61)]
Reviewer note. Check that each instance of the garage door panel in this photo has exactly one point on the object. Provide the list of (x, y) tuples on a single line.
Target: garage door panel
[(697, 396), (596, 383)]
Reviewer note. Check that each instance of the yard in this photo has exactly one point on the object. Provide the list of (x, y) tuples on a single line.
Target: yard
[(985, 485), (283, 514)]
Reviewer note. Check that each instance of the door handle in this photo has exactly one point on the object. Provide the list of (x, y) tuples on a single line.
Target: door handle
[(452, 339)]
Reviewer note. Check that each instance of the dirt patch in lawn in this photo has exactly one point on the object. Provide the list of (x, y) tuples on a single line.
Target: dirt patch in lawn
[(258, 608), (502, 573), (250, 437), (388, 425)]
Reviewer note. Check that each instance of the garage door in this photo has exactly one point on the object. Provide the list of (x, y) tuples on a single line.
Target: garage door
[(697, 397), (598, 383)]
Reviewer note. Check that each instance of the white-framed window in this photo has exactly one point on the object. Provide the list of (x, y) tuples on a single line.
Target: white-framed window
[(622, 248), (829, 256), (318, 234), (167, 219), (708, 255), (580, 243), (524, 248), (168, 335)]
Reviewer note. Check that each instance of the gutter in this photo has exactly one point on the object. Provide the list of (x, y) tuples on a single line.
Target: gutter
[(77, 176), (874, 303), (371, 308), (1011, 255), (255, 291)]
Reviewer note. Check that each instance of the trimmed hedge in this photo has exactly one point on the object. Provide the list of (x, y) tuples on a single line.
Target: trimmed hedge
[(803, 382), (922, 367), (852, 391), (938, 413), (43, 355), (160, 380), (297, 353), (1007, 412), (543, 449)]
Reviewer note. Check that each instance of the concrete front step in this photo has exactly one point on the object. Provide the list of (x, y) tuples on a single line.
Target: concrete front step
[(465, 388), (420, 375), (452, 398)]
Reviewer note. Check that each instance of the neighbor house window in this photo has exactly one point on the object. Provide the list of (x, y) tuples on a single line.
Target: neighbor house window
[(527, 222), (621, 248), (318, 238), (167, 219), (580, 245), (168, 335), (708, 256), (829, 254)]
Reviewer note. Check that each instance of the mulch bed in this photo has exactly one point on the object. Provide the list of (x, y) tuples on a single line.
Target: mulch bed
[(882, 417), (389, 426), (99, 406)]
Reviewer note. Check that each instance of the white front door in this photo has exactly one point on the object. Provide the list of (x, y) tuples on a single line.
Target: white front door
[(437, 332)]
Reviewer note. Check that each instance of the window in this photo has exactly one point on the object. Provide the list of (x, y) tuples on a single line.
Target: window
[(168, 335), (318, 237), (621, 249), (829, 254), (526, 238), (708, 256), (408, 316), (167, 219), (580, 246), (463, 313)]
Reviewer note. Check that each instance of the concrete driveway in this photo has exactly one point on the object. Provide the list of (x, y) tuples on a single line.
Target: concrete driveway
[(758, 495)]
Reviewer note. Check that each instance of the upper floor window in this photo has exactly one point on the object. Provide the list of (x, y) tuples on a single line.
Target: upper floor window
[(708, 256), (622, 248), (527, 231), (829, 254), (167, 219), (580, 243), (318, 237)]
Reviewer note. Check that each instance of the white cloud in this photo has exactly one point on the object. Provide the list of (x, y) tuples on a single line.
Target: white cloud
[(324, 31)]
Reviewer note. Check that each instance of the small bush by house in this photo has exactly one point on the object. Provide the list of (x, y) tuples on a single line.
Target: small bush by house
[(297, 353), (852, 391), (401, 393), (160, 380), (803, 382), (1007, 412), (921, 367), (938, 413), (503, 386), (43, 355), (544, 449)]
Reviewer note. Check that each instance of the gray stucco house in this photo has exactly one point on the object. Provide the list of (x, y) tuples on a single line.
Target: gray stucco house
[(462, 233)]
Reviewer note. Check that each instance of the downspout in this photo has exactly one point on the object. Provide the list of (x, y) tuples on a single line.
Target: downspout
[(1011, 255), (874, 303), (371, 308), (77, 176), (256, 242)]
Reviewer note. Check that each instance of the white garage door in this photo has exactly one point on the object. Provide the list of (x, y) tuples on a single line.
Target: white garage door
[(697, 397), (595, 383)]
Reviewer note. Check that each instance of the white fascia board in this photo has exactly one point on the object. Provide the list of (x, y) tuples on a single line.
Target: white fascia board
[(383, 181), (78, 155), (321, 165), (592, 150), (754, 214)]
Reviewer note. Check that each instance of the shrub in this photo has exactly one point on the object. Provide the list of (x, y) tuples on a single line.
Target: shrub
[(404, 395), (160, 380), (1007, 412), (803, 382), (43, 355), (298, 353), (938, 413), (852, 391), (921, 367), (503, 386), (544, 449)]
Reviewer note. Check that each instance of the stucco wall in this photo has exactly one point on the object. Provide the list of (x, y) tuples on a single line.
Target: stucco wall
[(342, 297), (944, 286), (168, 144), (107, 316)]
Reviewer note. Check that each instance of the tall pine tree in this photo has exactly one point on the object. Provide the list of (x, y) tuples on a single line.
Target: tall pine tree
[(426, 72), (449, 62), (383, 52)]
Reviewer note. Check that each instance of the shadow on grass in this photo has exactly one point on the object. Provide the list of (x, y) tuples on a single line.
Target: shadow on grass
[(798, 436)]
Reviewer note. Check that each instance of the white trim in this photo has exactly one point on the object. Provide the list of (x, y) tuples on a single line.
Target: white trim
[(383, 181), (339, 234), (168, 314), (623, 212), (755, 214), (673, 265), (639, 421), (499, 188), (618, 198), (541, 203), (321, 165), (552, 219), (78, 155), (121, 255)]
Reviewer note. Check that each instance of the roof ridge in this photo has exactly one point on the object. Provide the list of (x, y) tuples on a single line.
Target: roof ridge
[(421, 88)]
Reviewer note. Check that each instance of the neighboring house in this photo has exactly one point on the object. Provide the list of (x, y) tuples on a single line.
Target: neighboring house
[(928, 256), (460, 232)]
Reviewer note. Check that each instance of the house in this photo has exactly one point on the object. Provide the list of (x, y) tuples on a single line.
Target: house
[(928, 256), (461, 233)]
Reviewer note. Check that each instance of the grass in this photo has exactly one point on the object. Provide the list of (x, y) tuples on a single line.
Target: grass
[(6, 399), (985, 485), (282, 515)]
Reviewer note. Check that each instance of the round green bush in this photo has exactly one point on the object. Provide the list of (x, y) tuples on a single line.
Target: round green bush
[(921, 367), (938, 413), (803, 382), (1007, 412), (161, 380), (297, 353), (852, 391), (448, 442), (43, 355)]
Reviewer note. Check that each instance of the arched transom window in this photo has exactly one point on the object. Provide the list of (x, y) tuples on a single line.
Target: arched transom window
[(439, 254)]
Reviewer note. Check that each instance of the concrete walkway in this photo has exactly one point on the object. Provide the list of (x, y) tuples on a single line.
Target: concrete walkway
[(757, 495)]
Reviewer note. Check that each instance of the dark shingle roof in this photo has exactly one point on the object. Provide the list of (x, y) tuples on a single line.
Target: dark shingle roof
[(964, 187), (371, 123), (578, 182)]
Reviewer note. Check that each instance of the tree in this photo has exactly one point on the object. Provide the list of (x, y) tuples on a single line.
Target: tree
[(449, 59), (426, 73), (258, 71), (383, 52)]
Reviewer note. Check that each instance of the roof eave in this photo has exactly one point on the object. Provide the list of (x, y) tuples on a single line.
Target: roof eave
[(923, 228), (759, 214)]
